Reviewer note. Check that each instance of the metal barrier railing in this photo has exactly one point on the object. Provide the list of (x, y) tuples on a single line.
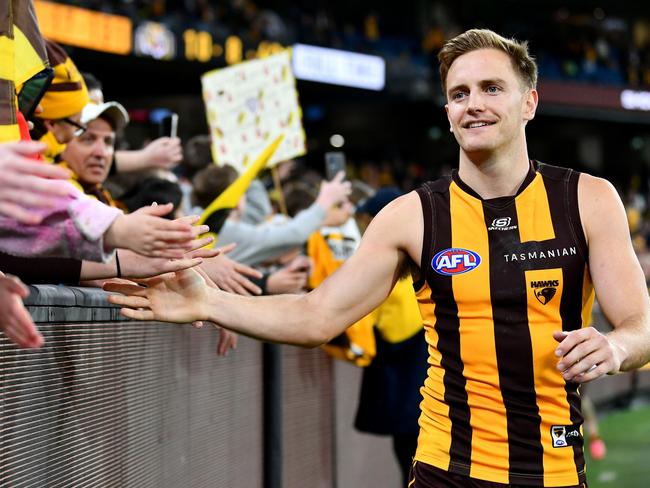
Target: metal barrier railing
[(114, 403)]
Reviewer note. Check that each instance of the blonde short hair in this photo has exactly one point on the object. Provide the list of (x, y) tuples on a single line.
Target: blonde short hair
[(474, 39)]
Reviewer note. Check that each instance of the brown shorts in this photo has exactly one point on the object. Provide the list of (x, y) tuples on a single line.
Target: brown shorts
[(424, 475)]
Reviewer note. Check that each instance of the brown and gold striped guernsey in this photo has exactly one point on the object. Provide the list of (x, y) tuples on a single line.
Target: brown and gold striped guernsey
[(499, 276)]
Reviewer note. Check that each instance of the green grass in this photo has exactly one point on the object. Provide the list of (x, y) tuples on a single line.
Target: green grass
[(627, 463)]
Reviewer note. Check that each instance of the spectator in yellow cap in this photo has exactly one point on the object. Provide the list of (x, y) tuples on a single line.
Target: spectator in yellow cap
[(62, 103)]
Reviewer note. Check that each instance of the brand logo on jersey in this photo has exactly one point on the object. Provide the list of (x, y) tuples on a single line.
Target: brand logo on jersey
[(565, 436), (502, 223), (541, 254), (455, 261), (558, 433), (544, 290)]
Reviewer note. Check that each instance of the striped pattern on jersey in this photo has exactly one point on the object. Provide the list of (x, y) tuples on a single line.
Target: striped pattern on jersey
[(499, 276)]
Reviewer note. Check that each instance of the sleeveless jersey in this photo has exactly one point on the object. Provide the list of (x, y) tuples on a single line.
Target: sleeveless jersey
[(498, 277)]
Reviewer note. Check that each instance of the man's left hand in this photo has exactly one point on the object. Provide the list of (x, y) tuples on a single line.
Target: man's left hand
[(586, 354)]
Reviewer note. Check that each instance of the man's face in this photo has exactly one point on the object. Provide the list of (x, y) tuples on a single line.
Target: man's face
[(90, 155), (487, 104)]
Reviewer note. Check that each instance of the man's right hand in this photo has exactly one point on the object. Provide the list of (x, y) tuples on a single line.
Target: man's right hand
[(164, 152), (180, 297)]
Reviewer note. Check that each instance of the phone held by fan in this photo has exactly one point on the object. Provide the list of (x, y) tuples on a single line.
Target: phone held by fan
[(169, 125), (334, 163), (33, 90)]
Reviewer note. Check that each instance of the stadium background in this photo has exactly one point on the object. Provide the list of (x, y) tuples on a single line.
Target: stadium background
[(589, 52)]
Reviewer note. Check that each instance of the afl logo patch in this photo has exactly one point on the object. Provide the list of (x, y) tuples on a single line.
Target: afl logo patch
[(455, 261)]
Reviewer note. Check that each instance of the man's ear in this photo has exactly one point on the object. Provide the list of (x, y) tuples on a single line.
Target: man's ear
[(530, 105), (451, 127)]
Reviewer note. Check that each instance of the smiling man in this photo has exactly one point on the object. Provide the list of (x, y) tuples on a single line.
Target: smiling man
[(509, 341), (90, 154)]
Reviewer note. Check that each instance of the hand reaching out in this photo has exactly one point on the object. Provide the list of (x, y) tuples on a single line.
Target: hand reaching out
[(333, 192), (339, 215), (230, 275), (290, 279), (172, 297), (15, 321), (179, 297), (147, 233), (27, 185), (164, 152), (134, 265)]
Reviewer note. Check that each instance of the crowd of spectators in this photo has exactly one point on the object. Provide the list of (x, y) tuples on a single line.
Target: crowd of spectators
[(579, 43), (64, 222), (140, 207)]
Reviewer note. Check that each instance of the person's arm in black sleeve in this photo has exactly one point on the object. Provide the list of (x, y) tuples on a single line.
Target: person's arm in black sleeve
[(34, 271)]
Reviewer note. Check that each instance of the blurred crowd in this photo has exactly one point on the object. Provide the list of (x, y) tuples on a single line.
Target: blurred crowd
[(75, 210), (132, 213), (577, 43)]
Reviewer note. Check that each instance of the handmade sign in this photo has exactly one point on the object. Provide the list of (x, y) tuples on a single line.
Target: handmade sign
[(250, 104)]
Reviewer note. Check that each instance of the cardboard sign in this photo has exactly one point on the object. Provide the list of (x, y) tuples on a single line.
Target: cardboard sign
[(250, 104)]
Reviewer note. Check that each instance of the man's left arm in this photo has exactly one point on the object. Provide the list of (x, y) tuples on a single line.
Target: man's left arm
[(621, 290)]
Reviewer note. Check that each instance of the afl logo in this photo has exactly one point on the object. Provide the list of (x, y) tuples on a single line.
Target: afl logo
[(455, 261)]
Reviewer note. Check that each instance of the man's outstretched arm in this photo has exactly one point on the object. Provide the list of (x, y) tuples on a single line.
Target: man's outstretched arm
[(587, 354), (360, 285)]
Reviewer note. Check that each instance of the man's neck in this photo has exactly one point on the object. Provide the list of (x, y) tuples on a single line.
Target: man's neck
[(494, 176)]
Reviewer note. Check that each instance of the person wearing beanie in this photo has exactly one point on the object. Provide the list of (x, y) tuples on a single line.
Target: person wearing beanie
[(94, 229), (39, 213), (62, 103)]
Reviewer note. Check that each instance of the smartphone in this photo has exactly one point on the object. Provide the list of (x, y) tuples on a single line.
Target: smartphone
[(33, 90), (169, 125), (334, 163)]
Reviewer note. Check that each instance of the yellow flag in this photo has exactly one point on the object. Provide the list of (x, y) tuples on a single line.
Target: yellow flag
[(214, 214)]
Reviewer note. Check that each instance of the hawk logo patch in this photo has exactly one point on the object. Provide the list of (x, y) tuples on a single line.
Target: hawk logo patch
[(544, 290)]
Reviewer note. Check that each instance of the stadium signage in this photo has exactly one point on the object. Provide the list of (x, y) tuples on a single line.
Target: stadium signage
[(338, 67), (635, 100), (85, 28)]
